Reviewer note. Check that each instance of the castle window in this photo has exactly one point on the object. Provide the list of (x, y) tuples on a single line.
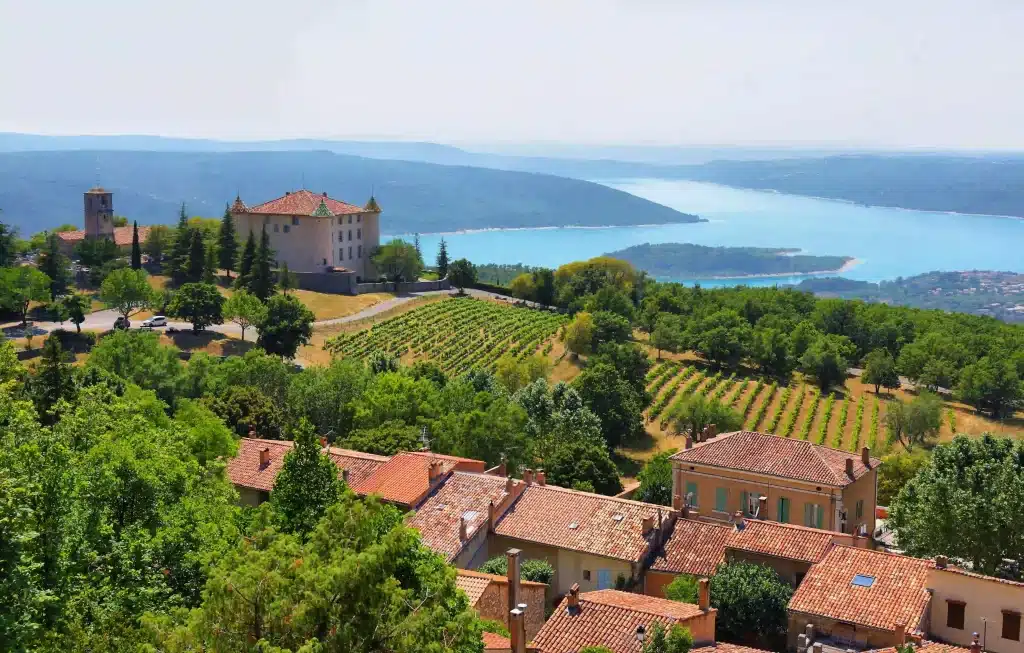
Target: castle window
[(359, 233), (360, 251), (350, 234), (350, 219), (1011, 625), (286, 228), (955, 614), (359, 218), (276, 228), (295, 220), (350, 251), (341, 253)]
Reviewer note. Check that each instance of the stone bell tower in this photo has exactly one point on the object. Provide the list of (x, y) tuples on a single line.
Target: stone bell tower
[(99, 213)]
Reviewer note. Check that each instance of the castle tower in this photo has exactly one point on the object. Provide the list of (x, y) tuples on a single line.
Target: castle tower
[(99, 213)]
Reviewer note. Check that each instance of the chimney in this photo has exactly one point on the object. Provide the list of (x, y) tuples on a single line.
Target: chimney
[(344, 476), (849, 467), (647, 525), (509, 485), (517, 630), (433, 471), (252, 432), (975, 644), (865, 456), (503, 466), (512, 557), (762, 507), (816, 647), (574, 599), (677, 502), (528, 476), (264, 457), (901, 634), (323, 442), (689, 442), (712, 430), (463, 529), (941, 562), (916, 637), (325, 193), (737, 519), (540, 477), (704, 594), (492, 516)]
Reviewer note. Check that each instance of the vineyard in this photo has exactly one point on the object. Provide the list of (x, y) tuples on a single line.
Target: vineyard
[(799, 410), (457, 334)]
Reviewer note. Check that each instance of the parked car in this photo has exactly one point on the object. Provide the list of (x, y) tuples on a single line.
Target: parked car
[(155, 321), (122, 323)]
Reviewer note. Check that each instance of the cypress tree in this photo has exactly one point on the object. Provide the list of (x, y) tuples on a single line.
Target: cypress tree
[(54, 264), (227, 242), (196, 257), (262, 284), (246, 262), (210, 266), (136, 248), (53, 379), (179, 262), (442, 260)]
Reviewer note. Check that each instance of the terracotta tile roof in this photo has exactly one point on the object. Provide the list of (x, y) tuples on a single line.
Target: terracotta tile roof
[(405, 479), (495, 642), (609, 618), (897, 594), (304, 202), (462, 494), (694, 547), (781, 540), (580, 521), (724, 647), (762, 453), (122, 235), (244, 469), (239, 206), (926, 647), (474, 583)]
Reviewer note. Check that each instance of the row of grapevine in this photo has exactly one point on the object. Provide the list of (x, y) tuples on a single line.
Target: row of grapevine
[(844, 409), (793, 412), (777, 415), (873, 432), (663, 401), (737, 390), (681, 396), (825, 417), (858, 421), (805, 432), (752, 425)]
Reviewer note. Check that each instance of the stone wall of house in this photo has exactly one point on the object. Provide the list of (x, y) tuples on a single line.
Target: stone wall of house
[(405, 286), (493, 604), (338, 283), (862, 637)]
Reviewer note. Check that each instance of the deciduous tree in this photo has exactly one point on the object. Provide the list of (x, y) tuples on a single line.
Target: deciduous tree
[(158, 240), (579, 334), (127, 291), (656, 481), (880, 370), (398, 261), (827, 359), (22, 285), (992, 384), (613, 399), (462, 274), (244, 309), (667, 334), (751, 600), (55, 265), (288, 324), (199, 303)]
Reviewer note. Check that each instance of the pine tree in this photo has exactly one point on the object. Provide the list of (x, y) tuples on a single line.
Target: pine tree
[(210, 269), (416, 244), (442, 260), (54, 264), (227, 242), (245, 263), (53, 380), (196, 257), (179, 262), (136, 247), (286, 279), (262, 280)]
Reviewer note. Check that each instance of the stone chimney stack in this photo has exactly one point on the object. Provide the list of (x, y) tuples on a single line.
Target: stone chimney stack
[(849, 467), (704, 594), (941, 562), (433, 471), (540, 477), (737, 519), (517, 630), (574, 599), (514, 594), (264, 457), (688, 442), (975, 644), (344, 476), (492, 516), (901, 634), (503, 466), (510, 483), (463, 529), (528, 476), (865, 456), (762, 507)]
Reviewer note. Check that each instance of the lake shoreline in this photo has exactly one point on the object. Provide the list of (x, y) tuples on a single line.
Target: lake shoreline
[(849, 265)]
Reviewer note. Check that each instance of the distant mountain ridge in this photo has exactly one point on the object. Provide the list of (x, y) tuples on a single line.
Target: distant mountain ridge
[(43, 189)]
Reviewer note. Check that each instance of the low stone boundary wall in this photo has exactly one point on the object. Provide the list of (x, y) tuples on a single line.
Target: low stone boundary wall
[(404, 286), (338, 283)]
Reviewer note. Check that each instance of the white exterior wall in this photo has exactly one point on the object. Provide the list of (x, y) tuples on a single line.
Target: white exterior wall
[(353, 241), (984, 599)]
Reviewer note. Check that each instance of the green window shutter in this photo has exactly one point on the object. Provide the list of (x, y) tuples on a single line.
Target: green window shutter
[(819, 513), (721, 499), (783, 512), (691, 488), (860, 508), (743, 502), (808, 514)]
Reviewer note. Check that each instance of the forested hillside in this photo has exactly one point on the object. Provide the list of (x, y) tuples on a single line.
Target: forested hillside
[(688, 261), (40, 190)]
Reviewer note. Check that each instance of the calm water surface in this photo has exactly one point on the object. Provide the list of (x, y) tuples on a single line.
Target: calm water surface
[(888, 242)]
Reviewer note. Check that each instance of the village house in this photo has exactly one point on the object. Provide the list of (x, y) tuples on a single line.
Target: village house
[(494, 597), (595, 541), (694, 548), (965, 604), (99, 223), (780, 479), (860, 598), (621, 621), (314, 233)]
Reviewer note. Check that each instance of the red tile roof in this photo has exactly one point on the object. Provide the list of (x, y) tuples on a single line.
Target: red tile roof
[(462, 494), (581, 521), (244, 469), (926, 647), (781, 540), (724, 647), (495, 642), (405, 479), (304, 203), (609, 618), (762, 453), (122, 235), (475, 583), (896, 596), (694, 547)]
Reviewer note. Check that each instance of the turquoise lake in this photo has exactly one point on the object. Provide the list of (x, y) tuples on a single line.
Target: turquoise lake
[(888, 242)]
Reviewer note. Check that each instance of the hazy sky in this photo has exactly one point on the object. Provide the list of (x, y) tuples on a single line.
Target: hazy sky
[(924, 73)]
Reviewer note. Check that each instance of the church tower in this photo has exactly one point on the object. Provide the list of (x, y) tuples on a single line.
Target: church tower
[(99, 213)]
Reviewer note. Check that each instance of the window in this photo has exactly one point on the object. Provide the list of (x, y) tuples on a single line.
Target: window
[(277, 228), (745, 503), (863, 580), (341, 253), (359, 218), (955, 614), (350, 251), (341, 237), (722, 499), (691, 493), (1011, 625), (350, 221), (860, 508), (360, 251), (286, 228), (586, 574), (814, 515), (295, 220), (350, 234), (359, 234), (783, 510)]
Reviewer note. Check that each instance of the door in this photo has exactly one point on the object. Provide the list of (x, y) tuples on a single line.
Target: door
[(604, 579)]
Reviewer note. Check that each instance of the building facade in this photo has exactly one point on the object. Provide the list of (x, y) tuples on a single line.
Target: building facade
[(780, 479), (98, 220), (964, 603), (314, 233)]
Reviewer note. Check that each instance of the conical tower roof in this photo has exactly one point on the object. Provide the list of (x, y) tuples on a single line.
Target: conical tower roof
[(239, 206), (322, 211), (372, 205)]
